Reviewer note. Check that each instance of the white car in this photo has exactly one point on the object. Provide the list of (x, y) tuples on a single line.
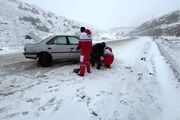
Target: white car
[(61, 47)]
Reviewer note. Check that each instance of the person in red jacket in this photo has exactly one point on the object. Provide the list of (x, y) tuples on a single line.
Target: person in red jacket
[(85, 46), (108, 57)]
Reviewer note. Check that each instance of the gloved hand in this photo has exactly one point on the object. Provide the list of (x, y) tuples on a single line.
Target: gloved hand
[(101, 58)]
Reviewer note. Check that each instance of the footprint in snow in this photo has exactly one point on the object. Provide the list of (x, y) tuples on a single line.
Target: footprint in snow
[(4, 109), (48, 104), (41, 76), (129, 68), (140, 76), (58, 105), (10, 116), (34, 101), (54, 86)]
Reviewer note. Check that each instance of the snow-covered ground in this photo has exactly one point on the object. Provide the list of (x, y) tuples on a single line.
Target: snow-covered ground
[(11, 50), (140, 86), (170, 48)]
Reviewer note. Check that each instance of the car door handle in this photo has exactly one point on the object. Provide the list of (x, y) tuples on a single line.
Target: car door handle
[(72, 48), (49, 48)]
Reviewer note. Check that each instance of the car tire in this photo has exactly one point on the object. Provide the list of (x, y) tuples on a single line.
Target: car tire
[(45, 59)]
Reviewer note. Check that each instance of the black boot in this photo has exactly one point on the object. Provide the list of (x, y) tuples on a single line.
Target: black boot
[(80, 75), (99, 66), (76, 70), (92, 64)]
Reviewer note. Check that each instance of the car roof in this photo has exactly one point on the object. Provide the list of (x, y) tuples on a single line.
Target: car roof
[(66, 35), (50, 37)]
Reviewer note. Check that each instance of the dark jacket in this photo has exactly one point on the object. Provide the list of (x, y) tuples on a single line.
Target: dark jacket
[(97, 50)]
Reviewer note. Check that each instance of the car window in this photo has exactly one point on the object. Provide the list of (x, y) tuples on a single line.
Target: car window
[(73, 40), (60, 40)]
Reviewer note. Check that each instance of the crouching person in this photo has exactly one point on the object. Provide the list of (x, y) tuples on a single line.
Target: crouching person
[(97, 52), (107, 58)]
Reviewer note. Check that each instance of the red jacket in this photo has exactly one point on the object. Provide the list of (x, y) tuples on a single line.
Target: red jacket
[(108, 56), (85, 42)]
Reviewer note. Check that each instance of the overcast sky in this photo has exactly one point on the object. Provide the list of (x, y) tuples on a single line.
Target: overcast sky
[(109, 13)]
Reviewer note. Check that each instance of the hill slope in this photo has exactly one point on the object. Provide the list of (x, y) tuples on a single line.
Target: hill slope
[(167, 25), (18, 19)]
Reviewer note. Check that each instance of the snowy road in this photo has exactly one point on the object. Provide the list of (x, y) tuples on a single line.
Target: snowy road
[(140, 86)]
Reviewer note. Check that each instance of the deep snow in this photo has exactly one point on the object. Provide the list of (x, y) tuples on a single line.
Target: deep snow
[(140, 86)]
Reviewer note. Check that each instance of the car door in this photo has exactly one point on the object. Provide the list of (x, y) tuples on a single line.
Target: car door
[(73, 43), (59, 48)]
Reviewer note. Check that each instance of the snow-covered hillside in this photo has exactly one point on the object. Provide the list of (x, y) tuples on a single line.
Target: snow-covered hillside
[(108, 36), (113, 34), (123, 30), (18, 19), (167, 25), (140, 86)]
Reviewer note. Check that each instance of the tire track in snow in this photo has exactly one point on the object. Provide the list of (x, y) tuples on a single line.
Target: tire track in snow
[(165, 78), (132, 98), (174, 64), (146, 92)]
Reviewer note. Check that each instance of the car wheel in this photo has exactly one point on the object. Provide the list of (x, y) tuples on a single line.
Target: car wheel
[(45, 59)]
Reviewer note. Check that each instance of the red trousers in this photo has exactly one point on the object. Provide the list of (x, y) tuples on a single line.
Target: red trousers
[(85, 62)]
